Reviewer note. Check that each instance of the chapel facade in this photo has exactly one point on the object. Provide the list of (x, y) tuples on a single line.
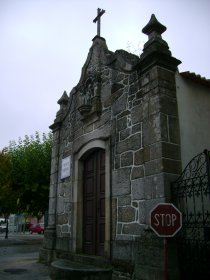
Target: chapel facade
[(116, 150)]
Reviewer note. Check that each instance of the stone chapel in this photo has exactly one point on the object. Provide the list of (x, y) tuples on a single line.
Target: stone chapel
[(117, 146)]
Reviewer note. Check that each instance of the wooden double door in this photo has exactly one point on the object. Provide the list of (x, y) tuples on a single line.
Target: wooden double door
[(94, 203)]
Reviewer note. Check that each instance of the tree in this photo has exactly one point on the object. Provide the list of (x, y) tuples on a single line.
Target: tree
[(30, 172), (8, 197)]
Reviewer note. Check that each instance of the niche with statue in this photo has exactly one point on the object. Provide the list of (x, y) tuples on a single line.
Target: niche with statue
[(89, 99)]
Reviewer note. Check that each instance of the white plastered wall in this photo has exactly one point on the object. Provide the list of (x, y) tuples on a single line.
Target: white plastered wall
[(194, 117)]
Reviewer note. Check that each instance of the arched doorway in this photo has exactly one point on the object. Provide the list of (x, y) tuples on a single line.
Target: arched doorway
[(94, 203), (80, 158)]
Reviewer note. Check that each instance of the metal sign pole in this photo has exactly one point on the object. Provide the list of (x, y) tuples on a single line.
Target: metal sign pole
[(165, 241), (165, 221)]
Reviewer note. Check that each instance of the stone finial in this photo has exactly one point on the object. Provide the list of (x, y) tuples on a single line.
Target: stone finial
[(156, 50), (64, 99), (153, 27)]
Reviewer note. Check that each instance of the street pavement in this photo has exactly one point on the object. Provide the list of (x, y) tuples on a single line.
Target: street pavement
[(19, 256)]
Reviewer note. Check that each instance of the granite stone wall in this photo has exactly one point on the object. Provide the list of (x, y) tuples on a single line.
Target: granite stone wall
[(131, 103)]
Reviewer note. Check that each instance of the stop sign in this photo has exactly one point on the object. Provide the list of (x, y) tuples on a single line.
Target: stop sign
[(165, 220)]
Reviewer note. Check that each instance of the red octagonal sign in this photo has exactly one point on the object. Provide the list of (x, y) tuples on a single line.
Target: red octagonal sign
[(165, 220)]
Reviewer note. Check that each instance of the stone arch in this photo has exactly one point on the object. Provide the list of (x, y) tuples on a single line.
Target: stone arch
[(78, 194)]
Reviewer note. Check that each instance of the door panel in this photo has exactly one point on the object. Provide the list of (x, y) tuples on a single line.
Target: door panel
[(94, 203)]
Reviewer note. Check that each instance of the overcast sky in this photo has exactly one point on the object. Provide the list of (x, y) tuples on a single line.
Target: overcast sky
[(44, 44)]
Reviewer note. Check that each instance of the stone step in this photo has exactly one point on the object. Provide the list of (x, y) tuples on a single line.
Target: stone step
[(84, 259), (63, 269)]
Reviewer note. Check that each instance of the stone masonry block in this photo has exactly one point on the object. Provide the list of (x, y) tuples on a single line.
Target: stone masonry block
[(154, 187), (142, 212), (119, 77), (126, 214), (65, 229), (136, 102), (132, 143), (174, 134), (60, 189), (135, 204), (171, 151), (123, 114), (132, 228), (88, 128), (121, 181), (154, 105), (125, 81), (53, 178), (124, 200), (137, 172), (172, 166), (133, 88), (166, 150), (145, 79), (105, 118), (96, 134), (119, 228), (56, 136), (67, 190), (137, 189), (153, 167), (52, 204), (60, 205), (168, 179), (62, 219), (125, 133), (54, 165), (168, 105), (155, 129), (124, 237), (136, 114), (165, 75), (51, 219), (116, 86), (114, 217), (133, 77), (158, 185), (120, 104), (141, 156), (52, 192), (136, 128), (164, 127), (105, 93), (55, 151), (122, 123), (127, 159), (156, 150), (117, 162), (122, 250)]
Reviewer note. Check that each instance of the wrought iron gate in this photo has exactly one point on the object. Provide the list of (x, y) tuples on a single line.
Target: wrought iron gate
[(191, 194)]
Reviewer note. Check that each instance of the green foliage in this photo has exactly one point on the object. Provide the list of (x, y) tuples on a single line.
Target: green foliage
[(30, 161), (7, 196)]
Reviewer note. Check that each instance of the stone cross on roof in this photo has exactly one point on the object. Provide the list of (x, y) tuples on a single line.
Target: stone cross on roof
[(98, 20)]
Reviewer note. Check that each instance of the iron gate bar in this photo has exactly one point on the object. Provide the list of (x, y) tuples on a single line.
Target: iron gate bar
[(207, 154), (191, 194)]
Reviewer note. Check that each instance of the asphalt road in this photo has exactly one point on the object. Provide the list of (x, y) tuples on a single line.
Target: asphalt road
[(19, 258)]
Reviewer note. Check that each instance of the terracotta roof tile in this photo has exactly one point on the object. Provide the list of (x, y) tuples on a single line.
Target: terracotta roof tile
[(196, 78)]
